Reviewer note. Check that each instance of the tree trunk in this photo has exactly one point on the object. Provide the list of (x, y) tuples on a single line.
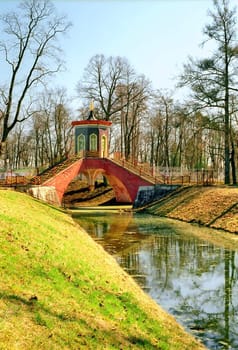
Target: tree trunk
[(233, 165)]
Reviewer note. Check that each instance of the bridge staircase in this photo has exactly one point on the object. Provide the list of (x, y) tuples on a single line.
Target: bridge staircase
[(49, 173), (139, 170)]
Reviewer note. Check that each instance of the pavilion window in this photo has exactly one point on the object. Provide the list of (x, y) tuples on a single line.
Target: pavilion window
[(81, 143), (93, 142), (104, 146)]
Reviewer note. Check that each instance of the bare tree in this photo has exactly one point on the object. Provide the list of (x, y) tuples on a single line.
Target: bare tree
[(102, 82), (134, 94), (214, 79), (31, 54), (52, 128), (161, 125), (63, 134)]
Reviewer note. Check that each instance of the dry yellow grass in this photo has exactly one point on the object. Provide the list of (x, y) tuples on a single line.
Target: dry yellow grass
[(215, 207)]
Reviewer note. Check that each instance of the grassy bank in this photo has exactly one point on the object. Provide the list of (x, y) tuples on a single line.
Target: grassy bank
[(60, 290), (215, 207)]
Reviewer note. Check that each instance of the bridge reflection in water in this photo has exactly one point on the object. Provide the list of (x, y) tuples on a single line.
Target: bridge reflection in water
[(194, 279)]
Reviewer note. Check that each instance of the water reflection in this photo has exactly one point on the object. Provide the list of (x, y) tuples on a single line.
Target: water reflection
[(114, 231), (192, 279)]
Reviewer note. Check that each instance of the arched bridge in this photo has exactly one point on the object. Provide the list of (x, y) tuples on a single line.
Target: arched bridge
[(123, 177)]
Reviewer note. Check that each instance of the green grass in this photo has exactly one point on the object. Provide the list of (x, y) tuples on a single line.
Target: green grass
[(60, 290)]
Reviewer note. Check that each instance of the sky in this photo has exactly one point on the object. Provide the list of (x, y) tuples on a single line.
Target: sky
[(156, 36)]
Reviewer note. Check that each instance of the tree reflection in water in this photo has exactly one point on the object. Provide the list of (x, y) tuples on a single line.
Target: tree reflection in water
[(193, 279)]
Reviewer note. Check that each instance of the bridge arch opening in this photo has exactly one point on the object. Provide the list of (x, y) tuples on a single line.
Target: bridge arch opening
[(119, 189)]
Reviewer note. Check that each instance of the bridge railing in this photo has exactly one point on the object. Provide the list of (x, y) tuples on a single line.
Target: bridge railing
[(13, 181), (172, 176), (140, 169), (54, 170)]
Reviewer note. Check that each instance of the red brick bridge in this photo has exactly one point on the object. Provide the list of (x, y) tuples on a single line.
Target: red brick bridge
[(124, 177)]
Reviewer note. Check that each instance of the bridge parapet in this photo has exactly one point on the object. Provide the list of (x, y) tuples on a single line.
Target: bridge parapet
[(49, 173), (140, 170)]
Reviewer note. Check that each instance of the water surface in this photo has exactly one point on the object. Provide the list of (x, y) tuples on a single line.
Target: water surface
[(193, 278)]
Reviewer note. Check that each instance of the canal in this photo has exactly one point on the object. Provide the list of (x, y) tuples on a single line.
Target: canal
[(191, 272)]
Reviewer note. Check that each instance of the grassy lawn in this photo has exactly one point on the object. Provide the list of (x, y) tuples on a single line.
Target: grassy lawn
[(60, 290)]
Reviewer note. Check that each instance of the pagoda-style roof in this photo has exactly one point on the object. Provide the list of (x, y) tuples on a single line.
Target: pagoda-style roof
[(92, 122)]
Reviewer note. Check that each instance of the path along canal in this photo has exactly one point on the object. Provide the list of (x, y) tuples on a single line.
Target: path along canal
[(191, 272)]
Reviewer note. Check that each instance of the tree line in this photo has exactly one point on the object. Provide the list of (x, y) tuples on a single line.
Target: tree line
[(149, 126)]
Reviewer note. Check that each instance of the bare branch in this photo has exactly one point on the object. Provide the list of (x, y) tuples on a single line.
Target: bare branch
[(30, 51)]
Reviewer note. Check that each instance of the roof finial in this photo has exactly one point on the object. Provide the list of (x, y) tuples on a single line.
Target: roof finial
[(91, 109), (91, 106)]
